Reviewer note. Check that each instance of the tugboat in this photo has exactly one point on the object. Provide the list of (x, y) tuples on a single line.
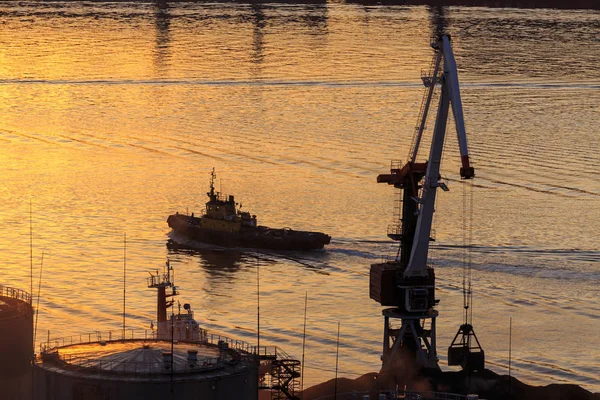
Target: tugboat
[(225, 224)]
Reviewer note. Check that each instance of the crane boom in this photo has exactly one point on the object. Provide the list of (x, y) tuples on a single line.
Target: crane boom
[(451, 80), (429, 96), (417, 266)]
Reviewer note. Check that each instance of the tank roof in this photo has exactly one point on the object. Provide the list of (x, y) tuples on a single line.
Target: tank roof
[(140, 358)]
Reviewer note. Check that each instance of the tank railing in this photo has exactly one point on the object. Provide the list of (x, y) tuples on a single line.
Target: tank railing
[(213, 339), (245, 347), (7, 291), (103, 365), (395, 395), (97, 337), (239, 345), (273, 352)]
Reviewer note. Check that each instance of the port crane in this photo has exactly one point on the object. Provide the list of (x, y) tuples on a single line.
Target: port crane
[(407, 283)]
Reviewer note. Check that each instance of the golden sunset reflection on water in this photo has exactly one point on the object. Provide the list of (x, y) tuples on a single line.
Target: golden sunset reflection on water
[(113, 115)]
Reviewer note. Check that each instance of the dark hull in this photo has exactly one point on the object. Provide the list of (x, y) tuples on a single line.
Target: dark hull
[(259, 237)]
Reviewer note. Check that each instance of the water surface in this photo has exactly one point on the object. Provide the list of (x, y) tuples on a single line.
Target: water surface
[(113, 114)]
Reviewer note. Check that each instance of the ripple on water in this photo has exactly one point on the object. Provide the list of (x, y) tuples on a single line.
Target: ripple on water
[(111, 139)]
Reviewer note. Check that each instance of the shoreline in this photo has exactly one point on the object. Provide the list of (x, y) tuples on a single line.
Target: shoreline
[(519, 4), (487, 384)]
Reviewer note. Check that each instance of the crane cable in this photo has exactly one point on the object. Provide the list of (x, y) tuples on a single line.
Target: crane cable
[(467, 241), (470, 252), (464, 251)]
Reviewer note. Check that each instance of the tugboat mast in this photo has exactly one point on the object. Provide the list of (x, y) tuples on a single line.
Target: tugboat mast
[(211, 194), (408, 282)]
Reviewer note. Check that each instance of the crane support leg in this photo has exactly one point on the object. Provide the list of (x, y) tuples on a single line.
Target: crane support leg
[(410, 344)]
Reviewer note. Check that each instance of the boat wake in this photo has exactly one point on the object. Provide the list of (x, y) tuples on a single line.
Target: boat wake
[(178, 244)]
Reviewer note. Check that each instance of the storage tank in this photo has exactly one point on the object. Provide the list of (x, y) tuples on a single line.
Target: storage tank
[(16, 343), (140, 368)]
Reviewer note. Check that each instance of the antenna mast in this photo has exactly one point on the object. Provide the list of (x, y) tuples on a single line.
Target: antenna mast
[(303, 346), (337, 354), (37, 306), (30, 250), (161, 282), (124, 277), (257, 305)]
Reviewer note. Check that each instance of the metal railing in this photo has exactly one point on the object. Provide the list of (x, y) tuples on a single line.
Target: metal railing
[(212, 339), (158, 280), (197, 214), (134, 367), (395, 395), (51, 345), (394, 230), (396, 165), (7, 291)]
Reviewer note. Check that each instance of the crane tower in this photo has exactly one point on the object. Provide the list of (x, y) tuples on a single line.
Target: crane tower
[(407, 283)]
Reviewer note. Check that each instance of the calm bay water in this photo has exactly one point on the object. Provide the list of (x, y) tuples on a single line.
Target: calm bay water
[(113, 114)]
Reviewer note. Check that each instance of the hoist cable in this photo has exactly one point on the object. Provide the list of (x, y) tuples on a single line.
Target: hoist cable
[(471, 189), (464, 252)]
